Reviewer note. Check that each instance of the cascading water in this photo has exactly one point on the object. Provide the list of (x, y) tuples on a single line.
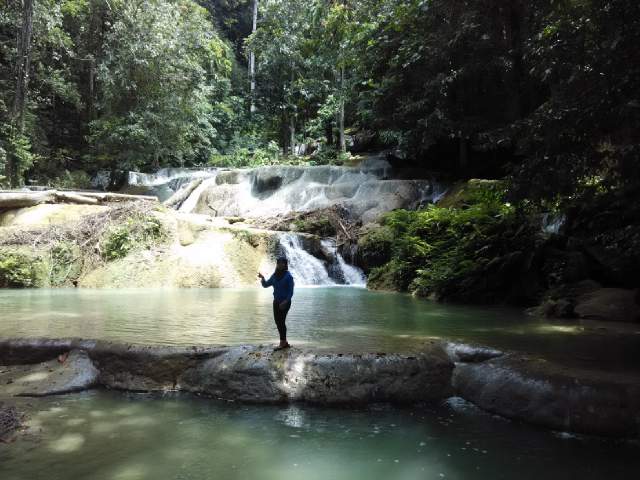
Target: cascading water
[(305, 268), (365, 191), (166, 181), (552, 223), (340, 269)]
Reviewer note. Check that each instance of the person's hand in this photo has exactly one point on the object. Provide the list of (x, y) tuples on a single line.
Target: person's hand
[(260, 276)]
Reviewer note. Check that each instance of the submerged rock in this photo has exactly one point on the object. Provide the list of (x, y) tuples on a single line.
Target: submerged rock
[(542, 393)]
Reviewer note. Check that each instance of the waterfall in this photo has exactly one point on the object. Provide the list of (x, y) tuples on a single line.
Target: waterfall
[(552, 223), (365, 191), (305, 268), (339, 269), (308, 269), (352, 275)]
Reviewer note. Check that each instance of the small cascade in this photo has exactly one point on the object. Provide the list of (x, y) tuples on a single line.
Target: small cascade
[(552, 223), (339, 269), (166, 181), (352, 275), (365, 191), (192, 200), (306, 269)]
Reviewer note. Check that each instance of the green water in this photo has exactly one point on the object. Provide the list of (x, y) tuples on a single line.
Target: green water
[(112, 436), (344, 319)]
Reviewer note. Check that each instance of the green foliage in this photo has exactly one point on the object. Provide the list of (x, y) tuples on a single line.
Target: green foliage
[(375, 246), (65, 264), (137, 232), (543, 91), (71, 180), (244, 156), (165, 67), (433, 249), (18, 270)]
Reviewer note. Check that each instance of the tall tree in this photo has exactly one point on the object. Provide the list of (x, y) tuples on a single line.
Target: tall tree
[(252, 58), (23, 67)]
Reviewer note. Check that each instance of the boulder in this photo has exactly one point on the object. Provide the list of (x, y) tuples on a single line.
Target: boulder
[(612, 304)]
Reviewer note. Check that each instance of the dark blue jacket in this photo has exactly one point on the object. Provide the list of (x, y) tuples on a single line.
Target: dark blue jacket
[(282, 287)]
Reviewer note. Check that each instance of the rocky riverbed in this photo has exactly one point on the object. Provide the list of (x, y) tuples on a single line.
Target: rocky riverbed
[(513, 386)]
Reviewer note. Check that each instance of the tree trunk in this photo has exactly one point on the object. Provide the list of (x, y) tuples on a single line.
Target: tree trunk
[(23, 66), (343, 142), (328, 132), (292, 134), (252, 59), (284, 129), (12, 200), (178, 198), (92, 80)]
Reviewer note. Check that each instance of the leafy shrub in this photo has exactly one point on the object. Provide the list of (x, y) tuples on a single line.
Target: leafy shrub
[(77, 179), (137, 232), (65, 263), (17, 270), (247, 156), (436, 250)]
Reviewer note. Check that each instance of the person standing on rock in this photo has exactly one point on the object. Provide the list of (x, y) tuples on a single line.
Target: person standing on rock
[(282, 283)]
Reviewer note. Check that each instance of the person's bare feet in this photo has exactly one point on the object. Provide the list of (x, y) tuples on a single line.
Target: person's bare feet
[(282, 346)]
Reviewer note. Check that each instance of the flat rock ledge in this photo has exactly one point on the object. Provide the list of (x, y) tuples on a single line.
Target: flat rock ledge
[(242, 373), (513, 386), (553, 396)]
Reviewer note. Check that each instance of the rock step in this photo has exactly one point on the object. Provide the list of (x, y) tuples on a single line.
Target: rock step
[(516, 387), (254, 373)]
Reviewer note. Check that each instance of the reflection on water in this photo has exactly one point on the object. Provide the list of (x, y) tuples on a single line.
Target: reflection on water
[(347, 319), (110, 436)]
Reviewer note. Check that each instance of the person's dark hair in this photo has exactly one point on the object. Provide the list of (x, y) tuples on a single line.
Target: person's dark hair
[(284, 260)]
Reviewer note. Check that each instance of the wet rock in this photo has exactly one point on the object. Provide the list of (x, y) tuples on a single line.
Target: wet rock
[(542, 393), (145, 368), (461, 352), (23, 351), (68, 373), (256, 374), (612, 304)]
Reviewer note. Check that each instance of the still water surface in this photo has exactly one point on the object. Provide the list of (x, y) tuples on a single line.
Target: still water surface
[(110, 436), (338, 318)]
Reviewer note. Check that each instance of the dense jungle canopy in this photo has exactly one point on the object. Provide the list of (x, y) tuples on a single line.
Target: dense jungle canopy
[(544, 93)]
